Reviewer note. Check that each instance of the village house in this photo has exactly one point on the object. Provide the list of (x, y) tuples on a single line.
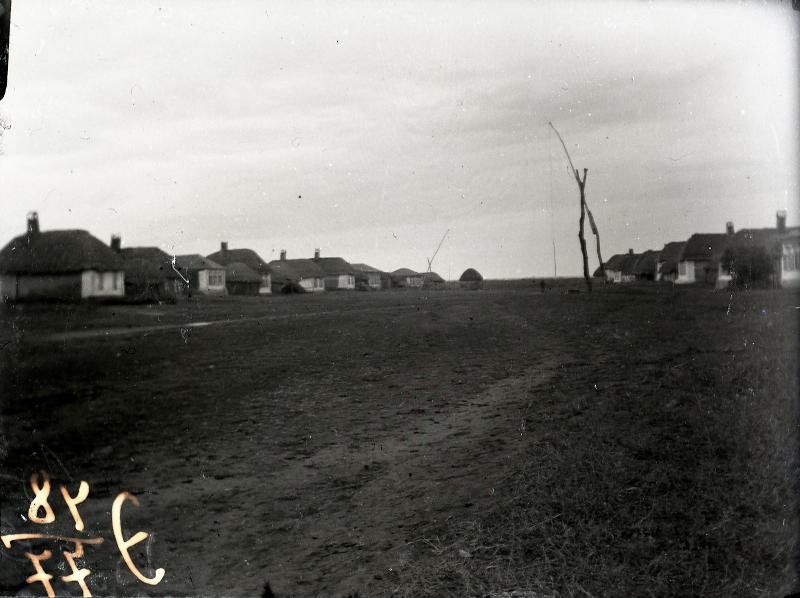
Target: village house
[(149, 275), (59, 265), (767, 241), (790, 258), (249, 258), (203, 275), (406, 279), (240, 279), (699, 260), (613, 267), (303, 273), (667, 265), (645, 265), (367, 277), (339, 275)]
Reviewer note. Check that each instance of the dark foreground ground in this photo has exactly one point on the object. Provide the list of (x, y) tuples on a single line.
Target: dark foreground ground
[(638, 441)]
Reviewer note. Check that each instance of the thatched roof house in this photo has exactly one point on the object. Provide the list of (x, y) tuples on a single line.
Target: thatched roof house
[(367, 277), (339, 274), (61, 265), (241, 279), (149, 275), (645, 265), (249, 258), (432, 280), (667, 266), (205, 276), (406, 278), (296, 272), (699, 260)]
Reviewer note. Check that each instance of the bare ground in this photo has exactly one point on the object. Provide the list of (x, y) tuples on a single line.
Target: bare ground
[(639, 441)]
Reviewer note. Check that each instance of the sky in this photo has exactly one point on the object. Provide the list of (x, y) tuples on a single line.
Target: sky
[(369, 130)]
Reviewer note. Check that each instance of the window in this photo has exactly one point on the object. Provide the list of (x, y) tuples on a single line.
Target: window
[(214, 278), (681, 268)]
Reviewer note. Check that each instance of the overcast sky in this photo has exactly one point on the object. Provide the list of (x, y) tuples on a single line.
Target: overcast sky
[(369, 129)]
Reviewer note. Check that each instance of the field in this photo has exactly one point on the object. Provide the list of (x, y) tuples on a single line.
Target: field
[(641, 440)]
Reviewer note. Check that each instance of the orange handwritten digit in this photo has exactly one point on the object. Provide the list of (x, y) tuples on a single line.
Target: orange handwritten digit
[(41, 576), (77, 575), (40, 500), (135, 539), (83, 493)]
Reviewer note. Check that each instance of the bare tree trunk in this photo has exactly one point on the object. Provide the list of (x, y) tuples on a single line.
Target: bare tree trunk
[(597, 238), (581, 184)]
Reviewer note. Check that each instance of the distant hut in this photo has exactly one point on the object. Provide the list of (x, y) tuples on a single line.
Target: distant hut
[(59, 265), (471, 279), (614, 267), (367, 277), (149, 275), (404, 278), (339, 275), (629, 266), (431, 280), (667, 265), (204, 275), (646, 265), (699, 260), (240, 279), (289, 275), (249, 258)]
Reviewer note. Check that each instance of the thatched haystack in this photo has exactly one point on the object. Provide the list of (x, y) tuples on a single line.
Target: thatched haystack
[(471, 279)]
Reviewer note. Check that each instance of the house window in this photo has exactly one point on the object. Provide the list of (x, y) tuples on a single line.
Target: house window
[(791, 258), (682, 268), (214, 279)]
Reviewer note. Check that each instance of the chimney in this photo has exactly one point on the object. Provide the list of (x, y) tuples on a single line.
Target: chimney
[(283, 255), (316, 254), (116, 243), (729, 227), (33, 223), (781, 221), (630, 251), (223, 249)]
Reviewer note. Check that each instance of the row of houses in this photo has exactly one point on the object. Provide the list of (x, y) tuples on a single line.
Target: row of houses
[(711, 258), (73, 265)]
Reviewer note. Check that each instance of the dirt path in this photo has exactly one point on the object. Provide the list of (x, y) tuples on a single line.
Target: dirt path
[(341, 518)]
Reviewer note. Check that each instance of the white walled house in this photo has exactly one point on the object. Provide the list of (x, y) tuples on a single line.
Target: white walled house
[(249, 258), (59, 265), (367, 276), (296, 272), (339, 275), (204, 275), (699, 260), (667, 266), (790, 259)]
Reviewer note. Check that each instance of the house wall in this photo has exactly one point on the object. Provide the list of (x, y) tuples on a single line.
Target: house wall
[(102, 284), (374, 280), (790, 265), (266, 285), (313, 285), (613, 276), (211, 281), (685, 272), (341, 283)]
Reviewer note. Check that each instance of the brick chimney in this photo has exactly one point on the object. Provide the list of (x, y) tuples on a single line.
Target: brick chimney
[(729, 227), (283, 255), (630, 251), (33, 223), (316, 254), (223, 250), (116, 243), (781, 221)]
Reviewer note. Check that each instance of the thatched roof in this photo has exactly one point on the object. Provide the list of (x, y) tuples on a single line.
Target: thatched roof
[(161, 260), (616, 262), (768, 238), (471, 275), (57, 251), (645, 263), (334, 266), (432, 278), (669, 256), (365, 268), (195, 261), (404, 273), (705, 246), (244, 256), (294, 270), (138, 270), (239, 272)]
